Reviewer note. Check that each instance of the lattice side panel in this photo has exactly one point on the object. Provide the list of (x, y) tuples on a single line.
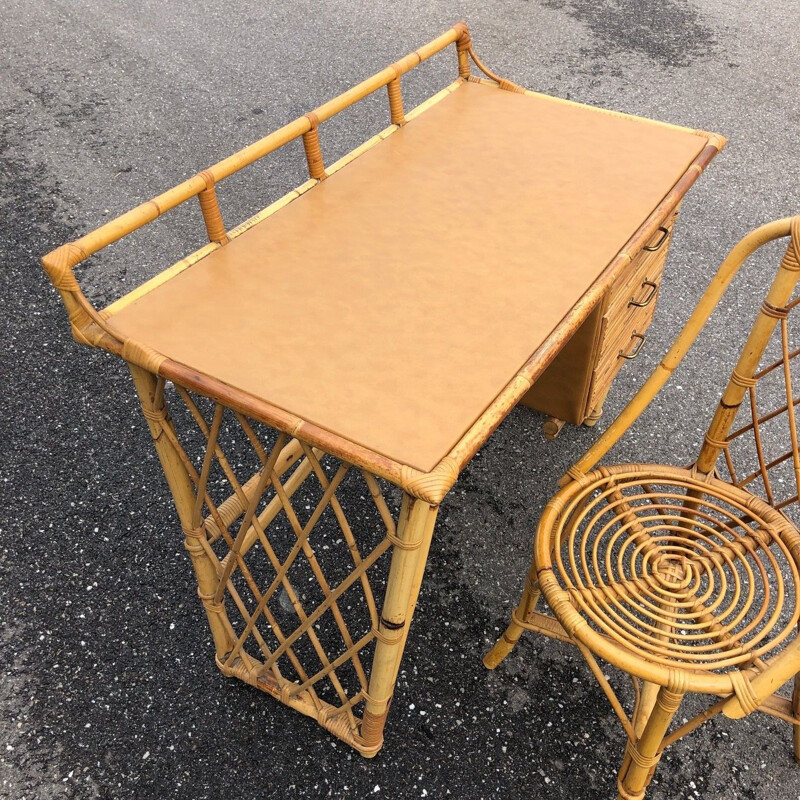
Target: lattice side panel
[(762, 453), (300, 544)]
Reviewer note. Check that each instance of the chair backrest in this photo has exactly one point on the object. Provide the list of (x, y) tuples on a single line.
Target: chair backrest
[(754, 425), (759, 444)]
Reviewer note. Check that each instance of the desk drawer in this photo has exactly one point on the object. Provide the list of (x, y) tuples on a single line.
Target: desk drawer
[(630, 310), (638, 310), (622, 345), (647, 265), (575, 384)]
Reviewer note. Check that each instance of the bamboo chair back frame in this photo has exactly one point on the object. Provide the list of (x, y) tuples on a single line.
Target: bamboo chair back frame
[(756, 415)]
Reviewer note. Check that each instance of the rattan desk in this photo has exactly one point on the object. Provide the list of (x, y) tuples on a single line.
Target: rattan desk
[(370, 329)]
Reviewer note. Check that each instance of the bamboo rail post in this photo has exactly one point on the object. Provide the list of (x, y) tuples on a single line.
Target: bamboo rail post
[(395, 92), (316, 165), (642, 757), (150, 391), (463, 45), (414, 533), (209, 206)]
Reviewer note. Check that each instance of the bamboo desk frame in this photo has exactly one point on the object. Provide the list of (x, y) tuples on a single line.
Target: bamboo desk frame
[(223, 533)]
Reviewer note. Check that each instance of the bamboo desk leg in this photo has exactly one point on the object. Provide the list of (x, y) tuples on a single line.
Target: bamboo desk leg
[(415, 531), (155, 413)]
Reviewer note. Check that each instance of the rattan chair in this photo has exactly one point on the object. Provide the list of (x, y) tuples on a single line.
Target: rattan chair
[(684, 579)]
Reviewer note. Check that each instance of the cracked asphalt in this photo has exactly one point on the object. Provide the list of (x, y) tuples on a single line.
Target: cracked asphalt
[(109, 687)]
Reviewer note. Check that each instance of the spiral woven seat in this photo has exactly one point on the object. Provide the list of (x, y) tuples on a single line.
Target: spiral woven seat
[(662, 573)]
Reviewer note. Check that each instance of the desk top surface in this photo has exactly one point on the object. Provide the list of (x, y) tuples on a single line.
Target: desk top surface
[(391, 303)]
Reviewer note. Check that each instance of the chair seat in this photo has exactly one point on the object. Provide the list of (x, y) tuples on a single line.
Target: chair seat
[(659, 570)]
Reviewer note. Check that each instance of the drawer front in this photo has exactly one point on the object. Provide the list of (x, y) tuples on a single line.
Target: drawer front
[(640, 305), (646, 265), (630, 310), (622, 346)]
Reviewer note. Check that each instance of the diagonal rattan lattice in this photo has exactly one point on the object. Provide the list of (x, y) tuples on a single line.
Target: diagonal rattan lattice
[(755, 453), (290, 547)]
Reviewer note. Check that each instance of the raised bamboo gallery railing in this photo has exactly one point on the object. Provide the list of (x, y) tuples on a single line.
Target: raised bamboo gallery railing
[(89, 325)]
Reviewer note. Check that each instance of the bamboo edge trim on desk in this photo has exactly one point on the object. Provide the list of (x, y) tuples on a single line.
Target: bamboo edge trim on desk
[(91, 327)]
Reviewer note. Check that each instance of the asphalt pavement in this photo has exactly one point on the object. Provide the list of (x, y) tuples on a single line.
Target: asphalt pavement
[(109, 688)]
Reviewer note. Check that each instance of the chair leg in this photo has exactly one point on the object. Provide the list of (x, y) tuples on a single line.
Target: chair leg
[(508, 641), (646, 703), (642, 757)]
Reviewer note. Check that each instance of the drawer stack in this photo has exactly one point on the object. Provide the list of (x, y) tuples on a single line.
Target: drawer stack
[(629, 312), (574, 386)]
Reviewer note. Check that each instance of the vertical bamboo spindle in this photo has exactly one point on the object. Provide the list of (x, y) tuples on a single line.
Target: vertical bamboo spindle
[(316, 166), (212, 215), (396, 102), (463, 44), (414, 532), (155, 413)]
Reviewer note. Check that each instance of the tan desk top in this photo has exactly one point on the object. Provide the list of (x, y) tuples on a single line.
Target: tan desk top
[(391, 303)]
